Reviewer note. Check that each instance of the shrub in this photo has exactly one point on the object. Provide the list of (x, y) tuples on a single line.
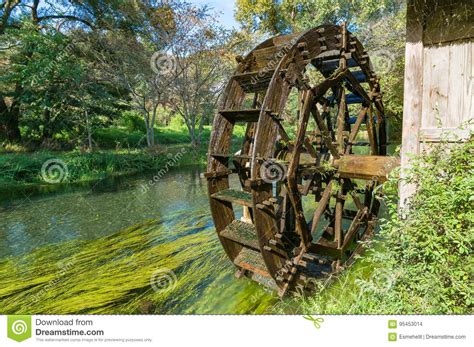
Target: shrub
[(430, 251), (177, 122), (132, 121), (420, 264)]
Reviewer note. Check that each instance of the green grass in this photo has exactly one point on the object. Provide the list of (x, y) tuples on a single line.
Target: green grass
[(18, 167), (122, 137), (111, 137)]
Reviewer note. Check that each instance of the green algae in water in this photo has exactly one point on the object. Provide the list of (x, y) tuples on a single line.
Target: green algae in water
[(112, 275)]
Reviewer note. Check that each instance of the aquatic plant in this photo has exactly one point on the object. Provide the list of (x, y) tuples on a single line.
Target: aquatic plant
[(114, 274)]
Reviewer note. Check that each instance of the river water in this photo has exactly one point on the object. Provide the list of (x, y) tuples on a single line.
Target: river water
[(123, 245)]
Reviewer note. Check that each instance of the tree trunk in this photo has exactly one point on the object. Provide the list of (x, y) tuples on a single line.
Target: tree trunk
[(152, 125), (201, 127), (9, 124), (148, 137), (192, 131), (193, 137), (152, 135), (146, 119), (47, 131), (89, 132)]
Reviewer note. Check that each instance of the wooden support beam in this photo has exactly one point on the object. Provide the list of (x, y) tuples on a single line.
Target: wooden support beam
[(338, 237), (307, 186), (354, 227), (294, 195), (413, 89), (371, 132), (325, 133), (357, 87), (341, 121), (309, 147), (324, 247), (355, 129), (368, 167), (323, 202)]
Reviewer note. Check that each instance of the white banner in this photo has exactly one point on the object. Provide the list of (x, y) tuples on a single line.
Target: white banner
[(238, 331)]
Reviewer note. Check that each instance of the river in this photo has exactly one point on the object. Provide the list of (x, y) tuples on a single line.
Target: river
[(120, 246)]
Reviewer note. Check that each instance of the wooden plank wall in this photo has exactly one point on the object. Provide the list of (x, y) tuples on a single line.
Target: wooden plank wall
[(438, 89), (447, 91)]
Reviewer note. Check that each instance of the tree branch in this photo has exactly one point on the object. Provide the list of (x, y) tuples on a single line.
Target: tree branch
[(66, 17)]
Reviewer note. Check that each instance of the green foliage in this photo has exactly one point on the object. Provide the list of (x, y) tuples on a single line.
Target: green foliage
[(176, 122), (175, 133), (54, 86), (26, 168), (111, 274), (78, 68), (113, 137), (421, 264), (121, 137), (70, 76), (132, 121), (379, 25), (296, 15), (431, 250)]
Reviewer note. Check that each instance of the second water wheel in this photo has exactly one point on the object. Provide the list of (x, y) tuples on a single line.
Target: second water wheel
[(306, 181)]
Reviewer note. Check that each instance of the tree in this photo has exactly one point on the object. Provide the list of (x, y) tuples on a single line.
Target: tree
[(21, 21), (148, 61), (380, 25), (285, 16), (200, 53), (53, 79), (14, 14)]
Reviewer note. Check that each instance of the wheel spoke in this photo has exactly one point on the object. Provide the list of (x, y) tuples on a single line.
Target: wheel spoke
[(323, 203), (355, 129), (274, 245)]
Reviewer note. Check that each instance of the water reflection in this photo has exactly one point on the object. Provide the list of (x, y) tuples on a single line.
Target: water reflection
[(28, 222)]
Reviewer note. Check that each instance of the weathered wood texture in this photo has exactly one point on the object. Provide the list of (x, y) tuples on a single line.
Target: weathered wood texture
[(447, 81), (448, 21), (367, 167), (274, 243), (438, 78)]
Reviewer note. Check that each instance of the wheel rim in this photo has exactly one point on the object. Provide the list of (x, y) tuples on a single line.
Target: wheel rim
[(277, 170)]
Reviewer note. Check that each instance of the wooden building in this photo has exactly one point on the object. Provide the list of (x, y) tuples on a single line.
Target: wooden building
[(438, 90)]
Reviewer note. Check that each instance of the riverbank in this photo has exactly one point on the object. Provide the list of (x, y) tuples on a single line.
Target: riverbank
[(120, 152), (99, 251), (26, 170)]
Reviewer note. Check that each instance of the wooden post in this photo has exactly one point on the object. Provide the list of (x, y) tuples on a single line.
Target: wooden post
[(413, 90)]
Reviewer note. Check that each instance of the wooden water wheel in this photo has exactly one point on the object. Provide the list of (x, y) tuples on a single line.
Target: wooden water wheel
[(307, 198)]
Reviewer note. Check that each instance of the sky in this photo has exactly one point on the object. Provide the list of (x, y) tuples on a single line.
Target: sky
[(226, 7)]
